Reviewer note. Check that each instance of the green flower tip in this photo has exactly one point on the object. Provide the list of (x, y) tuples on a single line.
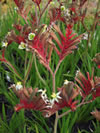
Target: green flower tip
[(62, 8), (31, 36), (22, 45)]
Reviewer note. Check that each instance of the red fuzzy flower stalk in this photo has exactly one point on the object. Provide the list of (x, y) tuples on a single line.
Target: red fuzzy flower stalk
[(68, 43), (96, 59), (30, 99), (65, 96), (2, 59), (42, 46), (88, 85), (37, 2)]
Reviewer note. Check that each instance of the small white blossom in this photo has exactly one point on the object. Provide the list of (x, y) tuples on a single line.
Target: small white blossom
[(18, 86), (85, 37), (52, 3), (55, 97), (66, 82), (4, 44), (8, 78), (43, 94), (62, 8), (22, 45), (77, 72), (67, 12), (44, 28), (31, 36)]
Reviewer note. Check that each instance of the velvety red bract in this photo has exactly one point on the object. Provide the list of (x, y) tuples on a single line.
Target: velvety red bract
[(89, 85), (3, 56), (68, 43), (17, 2), (68, 94), (29, 99), (99, 66), (25, 104)]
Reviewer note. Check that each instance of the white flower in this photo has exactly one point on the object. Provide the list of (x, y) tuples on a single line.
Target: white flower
[(55, 97), (4, 44), (67, 12), (85, 36), (62, 8), (18, 86), (52, 3), (8, 78), (66, 82), (43, 94), (22, 45), (77, 72), (44, 28), (31, 36)]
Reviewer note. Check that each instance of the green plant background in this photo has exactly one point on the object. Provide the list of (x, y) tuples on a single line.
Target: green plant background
[(32, 121)]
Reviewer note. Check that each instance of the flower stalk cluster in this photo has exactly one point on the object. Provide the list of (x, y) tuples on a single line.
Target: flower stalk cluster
[(39, 40)]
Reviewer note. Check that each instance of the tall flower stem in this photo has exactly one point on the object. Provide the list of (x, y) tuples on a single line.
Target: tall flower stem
[(56, 122), (15, 71), (28, 69), (44, 10), (53, 78), (54, 74), (38, 71)]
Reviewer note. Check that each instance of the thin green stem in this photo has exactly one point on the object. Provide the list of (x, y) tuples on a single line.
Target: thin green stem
[(56, 122), (29, 69), (36, 13), (57, 67), (38, 71), (25, 64), (15, 71), (53, 79)]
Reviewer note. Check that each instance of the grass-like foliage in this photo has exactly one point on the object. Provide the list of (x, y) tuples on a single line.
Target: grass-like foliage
[(50, 67)]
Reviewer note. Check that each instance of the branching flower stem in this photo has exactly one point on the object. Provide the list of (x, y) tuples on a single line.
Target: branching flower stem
[(44, 10), (66, 113)]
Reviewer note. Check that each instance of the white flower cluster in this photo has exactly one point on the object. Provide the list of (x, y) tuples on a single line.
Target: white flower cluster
[(85, 36), (18, 86), (50, 103), (23, 46), (4, 44)]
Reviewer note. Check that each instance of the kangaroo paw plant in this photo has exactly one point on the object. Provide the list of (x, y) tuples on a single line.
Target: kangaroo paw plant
[(43, 41)]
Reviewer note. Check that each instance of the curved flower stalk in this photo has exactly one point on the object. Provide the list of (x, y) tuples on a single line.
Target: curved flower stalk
[(68, 43), (96, 59), (89, 85)]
